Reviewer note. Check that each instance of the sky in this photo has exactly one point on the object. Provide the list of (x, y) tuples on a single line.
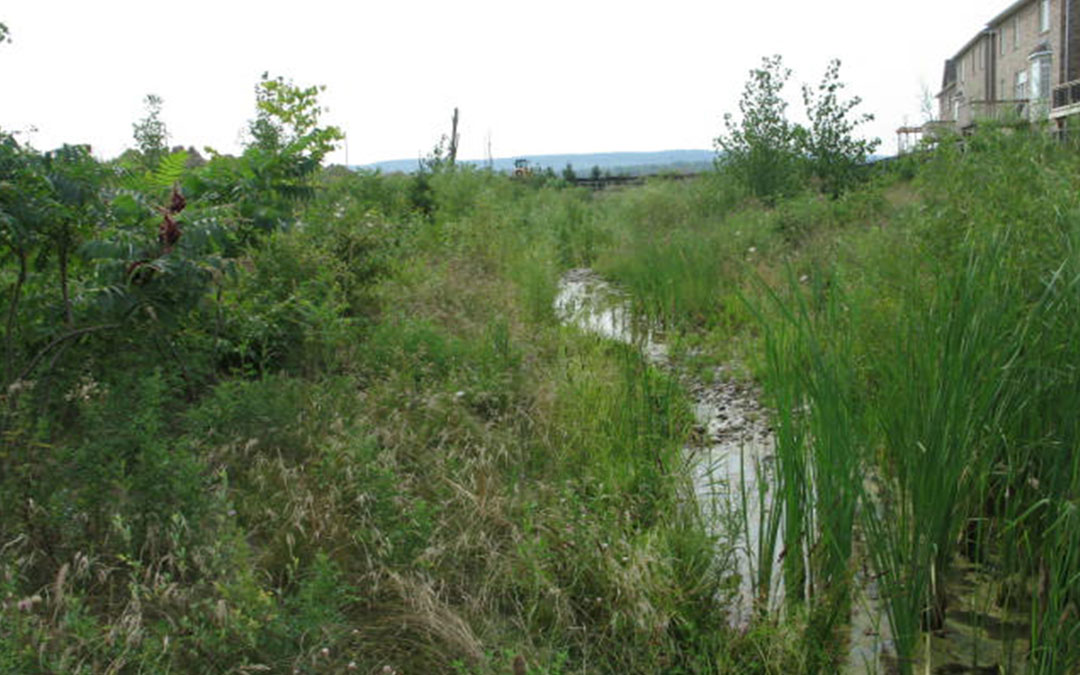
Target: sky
[(529, 78)]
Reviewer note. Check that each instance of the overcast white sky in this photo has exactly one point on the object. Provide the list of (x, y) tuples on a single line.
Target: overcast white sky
[(537, 77)]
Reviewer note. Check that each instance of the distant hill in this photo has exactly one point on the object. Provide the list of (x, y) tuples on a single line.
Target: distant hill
[(632, 163)]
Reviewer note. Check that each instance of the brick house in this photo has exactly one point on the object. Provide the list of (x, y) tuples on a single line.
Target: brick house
[(1025, 64)]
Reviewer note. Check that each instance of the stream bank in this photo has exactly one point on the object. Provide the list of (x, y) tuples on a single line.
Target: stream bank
[(732, 445), (730, 457)]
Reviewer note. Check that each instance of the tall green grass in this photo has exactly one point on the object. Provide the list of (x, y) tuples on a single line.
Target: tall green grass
[(817, 427), (921, 410), (395, 457)]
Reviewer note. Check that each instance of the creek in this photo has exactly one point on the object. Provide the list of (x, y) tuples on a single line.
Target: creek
[(730, 460), (732, 447)]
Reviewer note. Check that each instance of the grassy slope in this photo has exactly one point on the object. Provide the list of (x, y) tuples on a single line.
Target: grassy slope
[(415, 469), (432, 474)]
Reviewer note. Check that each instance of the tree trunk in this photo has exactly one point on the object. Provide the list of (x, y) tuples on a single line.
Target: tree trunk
[(453, 139), (63, 254), (13, 310)]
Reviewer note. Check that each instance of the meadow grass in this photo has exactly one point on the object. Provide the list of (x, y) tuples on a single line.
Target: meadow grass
[(394, 456), (908, 337), (937, 400)]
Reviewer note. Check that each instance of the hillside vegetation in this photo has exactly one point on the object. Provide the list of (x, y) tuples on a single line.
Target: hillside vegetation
[(259, 416)]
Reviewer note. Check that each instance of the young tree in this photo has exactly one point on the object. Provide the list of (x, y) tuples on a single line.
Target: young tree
[(285, 151), (287, 121), (762, 149), (569, 175), (25, 208), (834, 152), (150, 133), (76, 179)]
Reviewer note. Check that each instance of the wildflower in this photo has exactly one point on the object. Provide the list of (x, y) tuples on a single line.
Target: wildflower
[(19, 386)]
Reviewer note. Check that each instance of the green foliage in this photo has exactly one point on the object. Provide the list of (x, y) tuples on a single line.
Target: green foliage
[(835, 154), (915, 360), (151, 135), (348, 194), (763, 147), (670, 253), (298, 304), (772, 156), (364, 441), (287, 121), (118, 500), (169, 169), (279, 168), (438, 159)]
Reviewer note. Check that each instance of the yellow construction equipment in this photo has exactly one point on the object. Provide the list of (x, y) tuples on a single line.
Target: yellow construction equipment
[(522, 168)]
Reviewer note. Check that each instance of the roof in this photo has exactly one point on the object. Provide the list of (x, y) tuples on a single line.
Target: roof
[(1011, 10), (950, 74), (978, 36), (949, 77), (950, 65)]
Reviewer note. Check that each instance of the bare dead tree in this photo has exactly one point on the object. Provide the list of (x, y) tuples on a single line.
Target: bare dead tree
[(452, 155)]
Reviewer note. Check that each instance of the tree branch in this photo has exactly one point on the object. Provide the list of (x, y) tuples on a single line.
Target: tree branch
[(61, 339)]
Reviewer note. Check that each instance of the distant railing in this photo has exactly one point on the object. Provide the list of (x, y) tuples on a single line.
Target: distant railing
[(1000, 111), (938, 127), (1066, 94), (624, 180)]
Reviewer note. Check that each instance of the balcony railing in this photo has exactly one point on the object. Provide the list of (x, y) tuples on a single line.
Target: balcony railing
[(1066, 94), (999, 111), (935, 128)]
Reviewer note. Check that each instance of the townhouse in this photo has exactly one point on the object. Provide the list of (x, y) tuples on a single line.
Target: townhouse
[(1025, 64)]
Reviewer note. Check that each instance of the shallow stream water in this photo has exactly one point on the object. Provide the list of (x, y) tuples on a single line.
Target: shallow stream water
[(733, 444), (730, 460)]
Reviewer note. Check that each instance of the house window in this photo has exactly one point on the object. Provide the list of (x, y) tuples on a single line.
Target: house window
[(1044, 15), (1021, 85), (1040, 76), (1001, 41), (1016, 32)]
